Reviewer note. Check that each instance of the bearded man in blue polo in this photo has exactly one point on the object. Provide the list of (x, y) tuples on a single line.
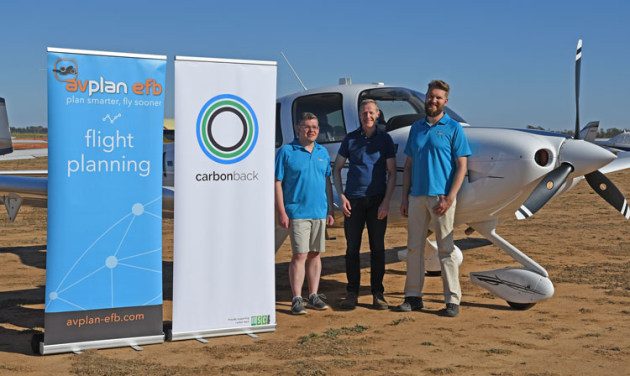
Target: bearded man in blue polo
[(437, 158), (304, 205)]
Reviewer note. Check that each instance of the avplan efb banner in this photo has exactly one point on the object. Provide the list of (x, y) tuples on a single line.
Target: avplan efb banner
[(104, 255), (223, 268)]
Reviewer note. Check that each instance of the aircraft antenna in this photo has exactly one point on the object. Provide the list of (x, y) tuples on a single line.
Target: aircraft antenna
[(294, 72), (578, 64)]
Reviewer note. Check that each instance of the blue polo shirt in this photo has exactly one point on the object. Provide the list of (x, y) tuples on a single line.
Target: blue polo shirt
[(303, 175), (367, 172), (433, 150)]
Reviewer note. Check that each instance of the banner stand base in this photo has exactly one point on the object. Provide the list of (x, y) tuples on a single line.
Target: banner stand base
[(102, 344), (178, 336)]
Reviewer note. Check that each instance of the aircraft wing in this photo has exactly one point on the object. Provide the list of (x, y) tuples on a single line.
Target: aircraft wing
[(24, 185), (16, 191)]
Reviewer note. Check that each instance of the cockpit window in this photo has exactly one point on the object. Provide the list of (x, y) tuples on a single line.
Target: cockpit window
[(400, 107), (328, 109)]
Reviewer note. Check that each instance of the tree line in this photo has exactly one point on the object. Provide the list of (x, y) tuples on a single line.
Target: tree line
[(601, 132), (30, 129)]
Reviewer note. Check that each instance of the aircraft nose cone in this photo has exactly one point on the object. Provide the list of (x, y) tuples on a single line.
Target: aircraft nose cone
[(584, 156)]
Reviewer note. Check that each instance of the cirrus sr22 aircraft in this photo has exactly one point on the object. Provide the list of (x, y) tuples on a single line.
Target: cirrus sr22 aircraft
[(510, 172)]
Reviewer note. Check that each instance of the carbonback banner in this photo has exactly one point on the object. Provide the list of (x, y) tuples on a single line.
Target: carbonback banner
[(224, 234)]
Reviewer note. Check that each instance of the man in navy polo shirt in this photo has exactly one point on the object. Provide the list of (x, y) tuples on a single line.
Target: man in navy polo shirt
[(369, 186), (437, 156), (304, 204)]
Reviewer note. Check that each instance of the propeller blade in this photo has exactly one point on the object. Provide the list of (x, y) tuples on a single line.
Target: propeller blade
[(608, 191), (578, 64), (544, 191)]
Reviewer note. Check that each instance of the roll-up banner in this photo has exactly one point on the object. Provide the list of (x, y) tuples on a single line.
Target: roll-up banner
[(104, 255), (223, 268)]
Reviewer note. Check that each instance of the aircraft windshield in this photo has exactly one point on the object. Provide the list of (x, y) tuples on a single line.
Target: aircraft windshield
[(328, 107), (400, 107), (621, 139)]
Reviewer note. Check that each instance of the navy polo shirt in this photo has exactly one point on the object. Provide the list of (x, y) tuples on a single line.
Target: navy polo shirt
[(367, 173), (433, 150), (303, 175)]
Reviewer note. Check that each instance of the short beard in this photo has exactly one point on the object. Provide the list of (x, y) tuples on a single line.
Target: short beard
[(437, 111)]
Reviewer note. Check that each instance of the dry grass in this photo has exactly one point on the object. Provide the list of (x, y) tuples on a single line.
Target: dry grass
[(613, 277), (583, 328)]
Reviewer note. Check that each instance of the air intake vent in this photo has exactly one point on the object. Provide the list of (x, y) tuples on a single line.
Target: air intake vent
[(345, 81)]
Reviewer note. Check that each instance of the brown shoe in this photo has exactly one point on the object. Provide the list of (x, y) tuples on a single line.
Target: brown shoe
[(378, 301), (350, 302)]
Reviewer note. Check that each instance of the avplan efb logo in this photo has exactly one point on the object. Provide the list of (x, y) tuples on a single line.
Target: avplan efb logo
[(227, 129), (66, 70)]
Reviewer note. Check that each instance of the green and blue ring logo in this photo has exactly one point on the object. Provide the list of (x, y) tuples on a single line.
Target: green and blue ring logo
[(227, 154)]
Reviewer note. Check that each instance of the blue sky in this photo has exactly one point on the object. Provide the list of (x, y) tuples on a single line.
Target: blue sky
[(509, 63)]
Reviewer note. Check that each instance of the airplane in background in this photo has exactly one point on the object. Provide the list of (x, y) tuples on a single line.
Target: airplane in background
[(7, 151), (6, 145), (510, 172), (30, 187), (619, 142)]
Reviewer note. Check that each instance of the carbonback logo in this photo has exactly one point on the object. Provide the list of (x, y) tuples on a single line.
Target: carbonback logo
[(227, 129)]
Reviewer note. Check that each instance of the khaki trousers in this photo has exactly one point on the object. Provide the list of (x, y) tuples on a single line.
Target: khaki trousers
[(420, 215)]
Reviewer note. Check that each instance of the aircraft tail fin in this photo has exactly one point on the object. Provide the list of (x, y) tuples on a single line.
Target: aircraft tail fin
[(589, 132), (6, 146)]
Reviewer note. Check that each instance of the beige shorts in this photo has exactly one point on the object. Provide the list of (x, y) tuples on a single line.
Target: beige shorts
[(308, 235)]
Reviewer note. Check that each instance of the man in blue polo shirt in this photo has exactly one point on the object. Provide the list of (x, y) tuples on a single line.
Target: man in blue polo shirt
[(437, 156), (370, 183), (304, 204)]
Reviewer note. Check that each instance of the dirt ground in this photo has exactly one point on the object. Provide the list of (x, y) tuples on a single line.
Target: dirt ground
[(583, 330)]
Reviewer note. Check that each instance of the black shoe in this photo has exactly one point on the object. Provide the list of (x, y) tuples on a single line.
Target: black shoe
[(411, 303), (452, 310), (297, 306), (315, 301), (350, 302), (378, 301)]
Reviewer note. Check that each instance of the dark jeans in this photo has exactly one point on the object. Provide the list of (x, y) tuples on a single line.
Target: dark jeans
[(365, 211)]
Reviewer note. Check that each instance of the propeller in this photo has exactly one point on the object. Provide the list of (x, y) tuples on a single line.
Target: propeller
[(550, 184), (578, 68), (608, 191), (547, 187)]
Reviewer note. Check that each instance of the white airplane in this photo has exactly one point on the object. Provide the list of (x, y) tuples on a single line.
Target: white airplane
[(509, 171)]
